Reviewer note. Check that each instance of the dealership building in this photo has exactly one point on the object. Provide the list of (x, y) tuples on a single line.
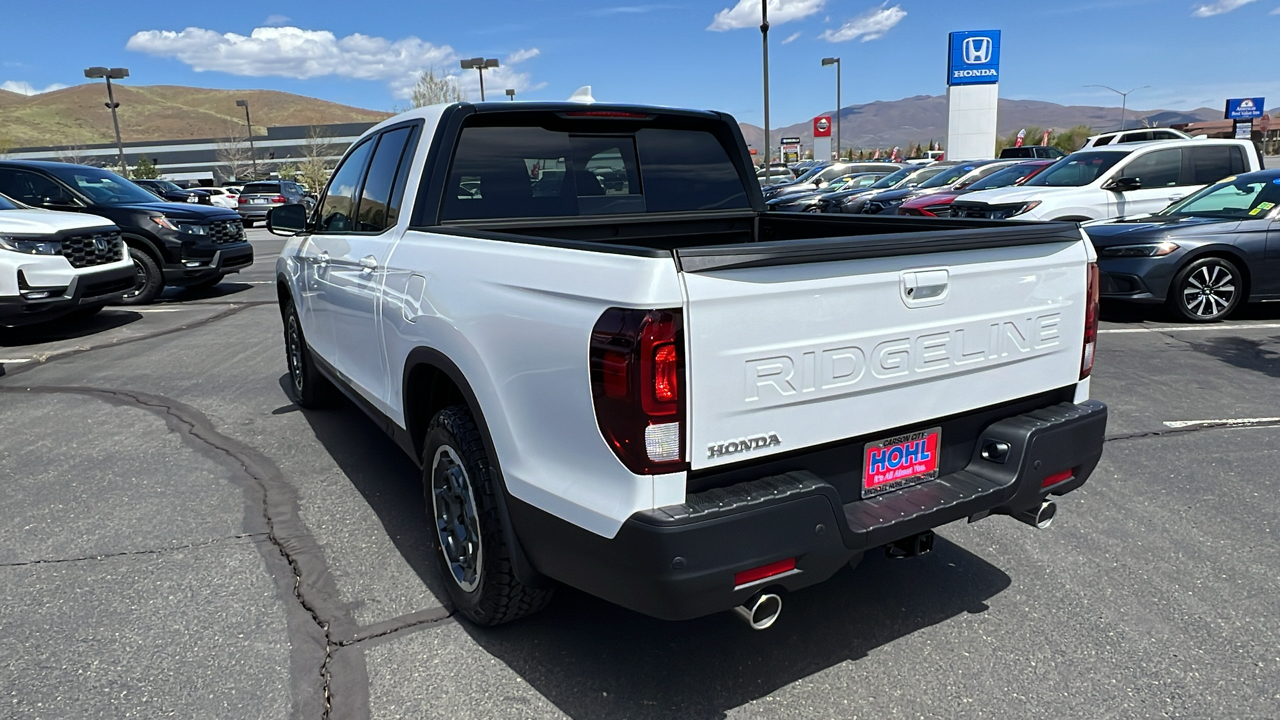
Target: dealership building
[(203, 161)]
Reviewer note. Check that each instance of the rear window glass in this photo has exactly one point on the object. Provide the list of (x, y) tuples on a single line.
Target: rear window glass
[(511, 172), (253, 188)]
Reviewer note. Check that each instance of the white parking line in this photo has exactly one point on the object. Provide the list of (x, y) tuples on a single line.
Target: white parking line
[(14, 361), (1195, 328), (1231, 422), (159, 310)]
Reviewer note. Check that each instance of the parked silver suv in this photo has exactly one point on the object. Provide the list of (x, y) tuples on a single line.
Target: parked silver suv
[(256, 198)]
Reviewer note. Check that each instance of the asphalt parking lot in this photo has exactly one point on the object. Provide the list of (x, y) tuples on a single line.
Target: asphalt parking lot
[(179, 540)]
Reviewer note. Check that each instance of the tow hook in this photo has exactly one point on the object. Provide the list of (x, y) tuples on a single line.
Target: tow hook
[(921, 544)]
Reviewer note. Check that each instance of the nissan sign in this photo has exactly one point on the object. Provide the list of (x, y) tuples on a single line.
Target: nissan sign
[(822, 126), (974, 58)]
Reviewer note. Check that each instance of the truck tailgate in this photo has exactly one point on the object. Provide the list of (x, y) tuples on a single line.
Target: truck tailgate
[(802, 350)]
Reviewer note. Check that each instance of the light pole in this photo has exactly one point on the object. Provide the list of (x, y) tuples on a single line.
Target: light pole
[(836, 62), (1124, 98), (764, 34), (511, 93), (94, 73), (253, 153), (480, 65)]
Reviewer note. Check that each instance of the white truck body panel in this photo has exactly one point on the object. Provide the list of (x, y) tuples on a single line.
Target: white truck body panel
[(45, 270)]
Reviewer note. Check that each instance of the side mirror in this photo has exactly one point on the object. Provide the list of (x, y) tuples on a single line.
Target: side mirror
[(287, 220), (61, 202), (1123, 184)]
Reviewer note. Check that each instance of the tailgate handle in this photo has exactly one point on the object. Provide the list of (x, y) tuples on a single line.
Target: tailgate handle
[(921, 288)]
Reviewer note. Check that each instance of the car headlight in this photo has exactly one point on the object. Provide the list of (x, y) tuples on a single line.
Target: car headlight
[(1159, 249), (31, 245), (1025, 208), (180, 227)]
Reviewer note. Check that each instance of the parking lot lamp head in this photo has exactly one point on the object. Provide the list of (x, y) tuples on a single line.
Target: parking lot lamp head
[(108, 74), (1124, 99), (480, 64), (511, 93)]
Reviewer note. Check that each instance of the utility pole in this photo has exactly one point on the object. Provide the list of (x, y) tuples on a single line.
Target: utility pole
[(253, 153), (764, 34), (94, 73)]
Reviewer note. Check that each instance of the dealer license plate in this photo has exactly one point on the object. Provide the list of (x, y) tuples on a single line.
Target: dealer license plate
[(897, 462), (258, 201)]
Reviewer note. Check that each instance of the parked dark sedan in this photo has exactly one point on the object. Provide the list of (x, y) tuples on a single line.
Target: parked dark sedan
[(819, 176), (1203, 255), (849, 201), (171, 191), (809, 202)]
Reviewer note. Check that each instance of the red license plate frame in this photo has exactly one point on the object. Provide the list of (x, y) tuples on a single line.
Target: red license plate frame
[(900, 461)]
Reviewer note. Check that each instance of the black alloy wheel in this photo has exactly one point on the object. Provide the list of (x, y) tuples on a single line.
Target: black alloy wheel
[(147, 279), (1206, 290), (307, 387)]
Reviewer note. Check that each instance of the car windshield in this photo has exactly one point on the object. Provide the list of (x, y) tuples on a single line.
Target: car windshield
[(7, 204), (948, 175), (893, 178), (1077, 169), (103, 187), (1239, 198), (1005, 177), (922, 175), (167, 186)]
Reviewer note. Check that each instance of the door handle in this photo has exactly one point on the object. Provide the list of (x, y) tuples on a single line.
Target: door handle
[(368, 263)]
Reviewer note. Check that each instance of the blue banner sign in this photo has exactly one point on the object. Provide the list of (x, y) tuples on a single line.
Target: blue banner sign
[(974, 58), (1245, 108)]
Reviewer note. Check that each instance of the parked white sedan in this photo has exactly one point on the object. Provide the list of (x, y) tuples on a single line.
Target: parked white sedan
[(222, 197)]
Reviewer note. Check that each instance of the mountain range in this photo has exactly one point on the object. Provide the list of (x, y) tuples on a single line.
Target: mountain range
[(922, 118), (77, 116)]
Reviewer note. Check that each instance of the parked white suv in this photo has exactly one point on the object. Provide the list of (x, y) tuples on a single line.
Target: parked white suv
[(55, 263), (1121, 137), (1114, 181)]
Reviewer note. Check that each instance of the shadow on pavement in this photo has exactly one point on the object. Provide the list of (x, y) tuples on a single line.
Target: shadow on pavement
[(1259, 355), (226, 288), (1118, 311), (66, 328), (380, 471), (596, 660)]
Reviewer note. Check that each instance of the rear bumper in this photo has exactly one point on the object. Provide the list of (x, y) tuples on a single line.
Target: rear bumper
[(678, 562), (228, 259), (91, 288)]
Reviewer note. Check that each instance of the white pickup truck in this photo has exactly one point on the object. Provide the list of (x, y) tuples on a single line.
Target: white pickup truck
[(618, 372)]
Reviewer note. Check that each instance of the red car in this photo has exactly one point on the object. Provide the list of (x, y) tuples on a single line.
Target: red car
[(939, 204)]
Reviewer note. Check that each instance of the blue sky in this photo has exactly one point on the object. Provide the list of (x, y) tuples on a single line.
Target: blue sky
[(698, 54)]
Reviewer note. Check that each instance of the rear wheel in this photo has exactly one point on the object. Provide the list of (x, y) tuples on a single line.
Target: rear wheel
[(462, 505), (1206, 290), (307, 387), (148, 281)]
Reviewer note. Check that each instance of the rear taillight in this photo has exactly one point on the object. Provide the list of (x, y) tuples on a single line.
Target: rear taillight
[(1090, 323), (637, 381), (280, 199)]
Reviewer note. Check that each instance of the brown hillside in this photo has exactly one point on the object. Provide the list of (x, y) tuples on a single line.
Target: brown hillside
[(78, 116)]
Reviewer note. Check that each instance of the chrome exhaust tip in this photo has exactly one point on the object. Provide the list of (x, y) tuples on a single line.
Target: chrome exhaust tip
[(761, 611), (1039, 517)]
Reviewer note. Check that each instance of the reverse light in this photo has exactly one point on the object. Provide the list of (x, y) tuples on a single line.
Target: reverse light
[(1090, 322), (1159, 249), (637, 372)]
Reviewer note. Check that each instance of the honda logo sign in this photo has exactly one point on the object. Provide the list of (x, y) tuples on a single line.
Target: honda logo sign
[(974, 58)]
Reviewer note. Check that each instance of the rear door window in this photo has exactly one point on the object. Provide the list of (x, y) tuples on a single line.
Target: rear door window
[(375, 197), (1207, 165), (513, 172), (1162, 168)]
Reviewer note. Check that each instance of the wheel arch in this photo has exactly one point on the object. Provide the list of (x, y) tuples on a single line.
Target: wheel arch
[(1225, 252), (146, 246)]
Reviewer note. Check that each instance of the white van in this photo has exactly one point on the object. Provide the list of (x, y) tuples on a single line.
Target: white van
[(1114, 181)]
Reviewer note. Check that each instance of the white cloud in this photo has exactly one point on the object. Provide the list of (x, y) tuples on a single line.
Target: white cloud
[(277, 19), (791, 38), (26, 88), (521, 55), (1275, 12), (303, 54), (1218, 8), (870, 25), (746, 14)]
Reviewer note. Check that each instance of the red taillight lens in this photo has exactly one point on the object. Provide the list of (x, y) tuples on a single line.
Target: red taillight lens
[(764, 571), (637, 372), (240, 200), (1091, 309), (1056, 478), (280, 199)]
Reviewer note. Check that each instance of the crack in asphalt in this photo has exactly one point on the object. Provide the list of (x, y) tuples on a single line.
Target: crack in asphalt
[(276, 507), (38, 362), (132, 553), (419, 619), (1193, 428)]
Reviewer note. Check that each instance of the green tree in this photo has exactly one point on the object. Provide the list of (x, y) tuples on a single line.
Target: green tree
[(435, 90), (145, 169), (1071, 140)]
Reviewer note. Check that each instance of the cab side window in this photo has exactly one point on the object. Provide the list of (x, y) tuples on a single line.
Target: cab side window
[(1162, 168), (338, 211)]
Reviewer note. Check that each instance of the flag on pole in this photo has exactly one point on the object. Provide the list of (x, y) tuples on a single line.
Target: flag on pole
[(894, 156), (1045, 139), (1021, 135), (877, 156)]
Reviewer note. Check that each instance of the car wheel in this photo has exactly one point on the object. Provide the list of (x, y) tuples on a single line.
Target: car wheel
[(307, 387), (1206, 290), (462, 506), (209, 284), (148, 281)]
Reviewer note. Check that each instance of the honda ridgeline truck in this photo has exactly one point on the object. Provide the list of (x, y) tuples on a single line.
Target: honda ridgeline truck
[(618, 372)]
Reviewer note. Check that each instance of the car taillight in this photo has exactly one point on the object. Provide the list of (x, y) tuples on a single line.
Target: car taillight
[(1090, 323), (240, 199), (280, 199), (637, 376)]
